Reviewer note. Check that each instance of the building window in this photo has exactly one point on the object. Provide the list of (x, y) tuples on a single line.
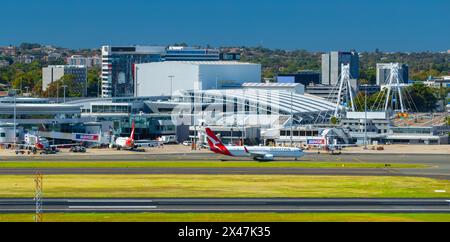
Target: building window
[(3, 135)]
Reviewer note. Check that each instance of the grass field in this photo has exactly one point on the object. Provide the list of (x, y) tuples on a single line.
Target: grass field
[(110, 186), (230, 217), (197, 164)]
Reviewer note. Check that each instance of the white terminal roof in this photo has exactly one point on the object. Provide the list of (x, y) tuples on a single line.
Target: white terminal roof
[(275, 99), (254, 84)]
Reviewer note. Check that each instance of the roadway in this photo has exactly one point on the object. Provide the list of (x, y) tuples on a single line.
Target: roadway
[(252, 205)]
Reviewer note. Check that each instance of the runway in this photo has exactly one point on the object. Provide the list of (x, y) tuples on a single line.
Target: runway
[(264, 205), (439, 166)]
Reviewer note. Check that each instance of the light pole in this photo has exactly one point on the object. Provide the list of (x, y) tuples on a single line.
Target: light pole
[(14, 92), (27, 89), (98, 87), (57, 92), (244, 106), (64, 86), (365, 120), (171, 84), (292, 122)]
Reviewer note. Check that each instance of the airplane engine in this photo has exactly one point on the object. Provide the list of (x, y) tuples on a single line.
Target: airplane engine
[(267, 157)]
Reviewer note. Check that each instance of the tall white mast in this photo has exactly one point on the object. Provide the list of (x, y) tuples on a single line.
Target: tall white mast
[(394, 82), (345, 88)]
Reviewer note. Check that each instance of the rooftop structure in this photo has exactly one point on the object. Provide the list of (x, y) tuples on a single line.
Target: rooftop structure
[(165, 78)]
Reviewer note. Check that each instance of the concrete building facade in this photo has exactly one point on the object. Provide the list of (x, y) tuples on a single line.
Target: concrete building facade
[(383, 73), (331, 66), (51, 74), (118, 64), (164, 78)]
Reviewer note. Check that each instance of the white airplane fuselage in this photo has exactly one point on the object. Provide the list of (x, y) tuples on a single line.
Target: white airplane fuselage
[(261, 153), (240, 151)]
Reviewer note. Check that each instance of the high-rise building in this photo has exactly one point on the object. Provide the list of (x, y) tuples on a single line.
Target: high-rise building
[(384, 71), (51, 74), (118, 64), (332, 63)]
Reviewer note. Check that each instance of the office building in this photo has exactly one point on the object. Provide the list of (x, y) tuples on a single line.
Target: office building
[(79, 60), (384, 71), (181, 53), (51, 74), (332, 63), (118, 64), (230, 56), (304, 77), (164, 78)]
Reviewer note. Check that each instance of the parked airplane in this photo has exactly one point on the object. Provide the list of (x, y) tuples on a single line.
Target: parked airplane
[(36, 143), (258, 153), (126, 143)]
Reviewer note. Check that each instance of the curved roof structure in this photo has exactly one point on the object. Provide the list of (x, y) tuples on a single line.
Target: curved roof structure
[(303, 106)]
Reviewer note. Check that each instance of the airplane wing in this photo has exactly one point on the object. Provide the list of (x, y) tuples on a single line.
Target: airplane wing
[(257, 155), (63, 145)]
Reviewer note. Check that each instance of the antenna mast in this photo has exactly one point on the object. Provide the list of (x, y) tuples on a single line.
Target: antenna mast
[(345, 89), (394, 83), (38, 197)]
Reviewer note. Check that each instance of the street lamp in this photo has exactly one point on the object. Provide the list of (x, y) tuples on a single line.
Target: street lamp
[(292, 122), (171, 84), (27, 89), (57, 92), (64, 86), (14, 92)]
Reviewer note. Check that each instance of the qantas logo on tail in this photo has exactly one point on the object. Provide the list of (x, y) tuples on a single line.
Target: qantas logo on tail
[(215, 144)]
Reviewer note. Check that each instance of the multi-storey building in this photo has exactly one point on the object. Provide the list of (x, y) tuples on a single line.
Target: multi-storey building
[(118, 67), (180, 53), (79, 60), (118, 64), (51, 74), (384, 72), (332, 63)]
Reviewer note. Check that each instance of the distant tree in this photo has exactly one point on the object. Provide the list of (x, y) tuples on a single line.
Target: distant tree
[(334, 120), (74, 89), (424, 98), (93, 82)]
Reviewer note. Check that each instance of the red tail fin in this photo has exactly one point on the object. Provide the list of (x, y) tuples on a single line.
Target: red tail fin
[(213, 141), (215, 144), (132, 130)]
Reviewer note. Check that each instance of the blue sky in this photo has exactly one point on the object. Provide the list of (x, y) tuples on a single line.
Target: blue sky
[(317, 25)]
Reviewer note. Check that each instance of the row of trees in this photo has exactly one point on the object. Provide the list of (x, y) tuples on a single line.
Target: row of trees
[(421, 65), (28, 77)]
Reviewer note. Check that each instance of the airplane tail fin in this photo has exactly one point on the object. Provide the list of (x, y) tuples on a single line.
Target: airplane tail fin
[(212, 138), (215, 144), (132, 130)]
